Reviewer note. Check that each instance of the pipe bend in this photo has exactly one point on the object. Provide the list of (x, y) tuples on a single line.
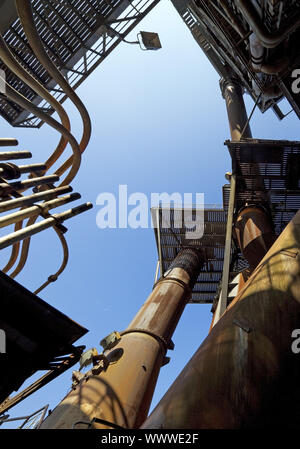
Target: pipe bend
[(26, 17), (16, 97), (267, 39), (257, 52), (13, 64)]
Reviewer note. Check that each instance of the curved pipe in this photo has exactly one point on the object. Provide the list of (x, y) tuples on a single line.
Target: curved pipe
[(46, 206), (11, 62), (16, 97), (24, 9), (26, 104), (267, 39), (63, 265), (257, 58), (26, 17), (14, 250), (25, 251)]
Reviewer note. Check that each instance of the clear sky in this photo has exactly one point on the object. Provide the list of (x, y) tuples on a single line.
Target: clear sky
[(159, 124)]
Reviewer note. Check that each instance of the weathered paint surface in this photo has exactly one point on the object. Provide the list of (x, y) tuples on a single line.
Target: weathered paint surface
[(255, 234), (122, 393), (245, 374)]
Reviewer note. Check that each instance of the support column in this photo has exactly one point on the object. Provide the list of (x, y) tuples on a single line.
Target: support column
[(253, 227), (237, 115), (255, 233), (122, 392), (238, 122), (246, 372)]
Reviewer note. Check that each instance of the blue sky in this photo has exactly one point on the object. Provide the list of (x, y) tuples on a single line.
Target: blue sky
[(159, 124)]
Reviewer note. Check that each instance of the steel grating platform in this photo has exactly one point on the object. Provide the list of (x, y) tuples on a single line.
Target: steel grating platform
[(170, 239), (77, 34), (267, 172)]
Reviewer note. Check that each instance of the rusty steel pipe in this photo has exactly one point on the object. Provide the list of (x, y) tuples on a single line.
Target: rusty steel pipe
[(19, 185), (9, 142), (13, 64), (32, 213), (31, 168), (12, 171), (9, 239), (268, 40), (26, 17), (24, 255), (31, 199), (13, 95), (43, 208), (18, 69), (25, 251), (236, 110), (26, 104), (54, 277), (122, 393), (6, 155), (245, 374), (255, 234)]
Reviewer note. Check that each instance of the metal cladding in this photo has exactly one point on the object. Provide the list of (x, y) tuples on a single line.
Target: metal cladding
[(245, 374), (119, 392), (255, 233)]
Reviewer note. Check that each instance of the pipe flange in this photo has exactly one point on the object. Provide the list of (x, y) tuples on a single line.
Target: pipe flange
[(163, 342)]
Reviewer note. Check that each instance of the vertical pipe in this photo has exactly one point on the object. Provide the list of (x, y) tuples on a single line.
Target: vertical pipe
[(254, 232), (246, 373), (237, 115), (238, 123), (239, 127), (122, 393)]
